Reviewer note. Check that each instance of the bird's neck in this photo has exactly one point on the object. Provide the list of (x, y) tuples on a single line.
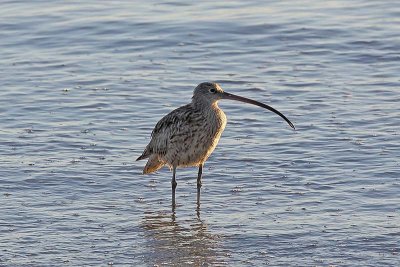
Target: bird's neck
[(205, 106)]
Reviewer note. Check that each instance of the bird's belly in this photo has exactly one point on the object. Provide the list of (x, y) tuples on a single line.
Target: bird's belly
[(194, 150)]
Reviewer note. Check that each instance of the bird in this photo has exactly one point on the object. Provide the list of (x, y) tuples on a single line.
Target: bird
[(188, 135)]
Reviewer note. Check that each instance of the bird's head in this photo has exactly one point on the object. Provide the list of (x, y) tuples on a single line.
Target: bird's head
[(208, 93)]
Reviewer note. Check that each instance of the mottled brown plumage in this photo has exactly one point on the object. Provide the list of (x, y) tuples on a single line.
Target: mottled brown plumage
[(188, 135)]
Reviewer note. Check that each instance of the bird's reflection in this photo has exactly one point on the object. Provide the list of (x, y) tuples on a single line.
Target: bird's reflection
[(174, 242)]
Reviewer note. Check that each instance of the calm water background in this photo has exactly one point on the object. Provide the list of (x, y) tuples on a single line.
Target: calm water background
[(83, 84)]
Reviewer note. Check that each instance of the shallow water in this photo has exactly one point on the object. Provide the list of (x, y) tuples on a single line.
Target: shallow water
[(83, 84)]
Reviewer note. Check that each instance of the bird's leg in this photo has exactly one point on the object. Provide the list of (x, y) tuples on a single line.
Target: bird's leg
[(174, 184), (199, 184)]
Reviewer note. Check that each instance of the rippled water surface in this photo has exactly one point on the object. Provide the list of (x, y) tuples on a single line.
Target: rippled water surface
[(83, 84)]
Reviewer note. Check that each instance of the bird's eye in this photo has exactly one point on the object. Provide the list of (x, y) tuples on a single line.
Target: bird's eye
[(212, 90)]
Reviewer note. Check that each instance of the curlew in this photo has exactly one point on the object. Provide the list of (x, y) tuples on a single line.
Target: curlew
[(188, 135)]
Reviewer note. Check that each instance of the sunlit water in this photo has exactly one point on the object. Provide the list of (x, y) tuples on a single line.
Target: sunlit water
[(83, 84)]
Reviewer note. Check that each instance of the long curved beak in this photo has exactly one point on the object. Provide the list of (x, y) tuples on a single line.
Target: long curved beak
[(226, 95)]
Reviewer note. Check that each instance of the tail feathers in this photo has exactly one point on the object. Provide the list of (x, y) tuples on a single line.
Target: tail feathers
[(144, 155), (153, 164)]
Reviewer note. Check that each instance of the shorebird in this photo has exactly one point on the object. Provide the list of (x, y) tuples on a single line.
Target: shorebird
[(188, 135)]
